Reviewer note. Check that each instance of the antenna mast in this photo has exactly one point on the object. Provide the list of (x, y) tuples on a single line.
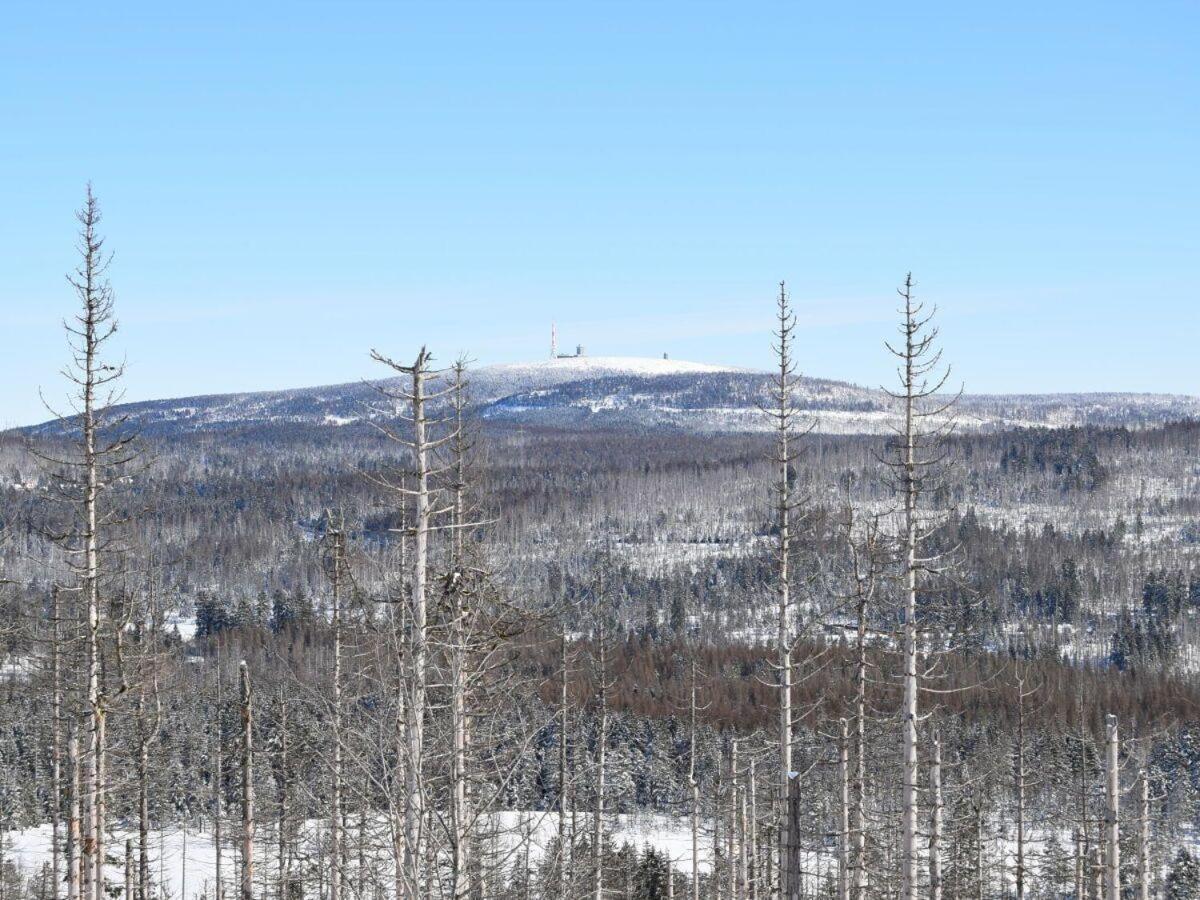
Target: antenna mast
[(553, 340)]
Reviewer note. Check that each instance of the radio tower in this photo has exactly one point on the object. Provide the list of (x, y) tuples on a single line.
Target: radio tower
[(553, 341)]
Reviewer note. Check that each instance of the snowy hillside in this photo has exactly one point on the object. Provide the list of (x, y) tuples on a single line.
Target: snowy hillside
[(634, 392)]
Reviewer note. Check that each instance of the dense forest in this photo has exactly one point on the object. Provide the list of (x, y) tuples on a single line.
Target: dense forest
[(431, 654)]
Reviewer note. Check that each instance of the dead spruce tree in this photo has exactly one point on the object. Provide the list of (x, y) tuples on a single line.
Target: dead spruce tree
[(84, 481), (428, 505), (869, 553), (336, 570), (456, 646), (783, 417), (454, 689), (916, 467)]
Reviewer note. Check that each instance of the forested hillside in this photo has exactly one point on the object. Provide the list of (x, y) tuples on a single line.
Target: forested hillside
[(443, 651)]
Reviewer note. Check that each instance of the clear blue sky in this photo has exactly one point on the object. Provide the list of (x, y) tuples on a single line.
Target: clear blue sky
[(288, 185)]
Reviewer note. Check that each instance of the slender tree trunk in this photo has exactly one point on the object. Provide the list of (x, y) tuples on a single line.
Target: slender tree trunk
[(909, 484), (100, 817), (564, 852), (752, 873), (94, 848), (414, 809), (792, 859), (218, 781), (1080, 881), (283, 857), (1113, 855), (143, 816), (336, 837), (935, 833), (844, 824), (461, 813), (601, 751), (743, 862), (1084, 835), (56, 786), (74, 837), (1144, 874), (783, 641), (247, 785), (694, 789), (1019, 773), (731, 824), (860, 757), (980, 875)]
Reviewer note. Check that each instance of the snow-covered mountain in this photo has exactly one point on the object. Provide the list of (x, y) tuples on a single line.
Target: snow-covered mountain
[(621, 392)]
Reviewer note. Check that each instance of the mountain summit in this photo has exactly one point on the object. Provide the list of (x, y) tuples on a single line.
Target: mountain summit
[(641, 393)]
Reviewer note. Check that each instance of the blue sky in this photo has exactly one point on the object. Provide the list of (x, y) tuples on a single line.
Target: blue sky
[(288, 185)]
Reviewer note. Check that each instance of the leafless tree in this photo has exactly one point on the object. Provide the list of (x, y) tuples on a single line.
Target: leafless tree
[(919, 454)]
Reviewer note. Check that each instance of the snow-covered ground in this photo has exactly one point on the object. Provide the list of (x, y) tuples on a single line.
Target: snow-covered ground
[(184, 860), (576, 367)]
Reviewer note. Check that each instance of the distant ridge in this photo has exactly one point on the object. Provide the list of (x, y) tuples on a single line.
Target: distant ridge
[(642, 393)]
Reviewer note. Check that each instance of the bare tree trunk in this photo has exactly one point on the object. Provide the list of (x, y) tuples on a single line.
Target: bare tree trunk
[(783, 415), (99, 818), (461, 813), (128, 869), (935, 833), (601, 750), (74, 861), (92, 296), (56, 786), (1113, 855), (1144, 874), (792, 864), (247, 785), (743, 862), (1019, 778), (564, 852), (336, 837), (414, 700), (415, 806), (1081, 884), (860, 756), (844, 824), (752, 874), (218, 777), (1080, 880), (143, 818), (918, 359), (82, 480), (694, 789), (731, 825), (980, 879), (282, 786)]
